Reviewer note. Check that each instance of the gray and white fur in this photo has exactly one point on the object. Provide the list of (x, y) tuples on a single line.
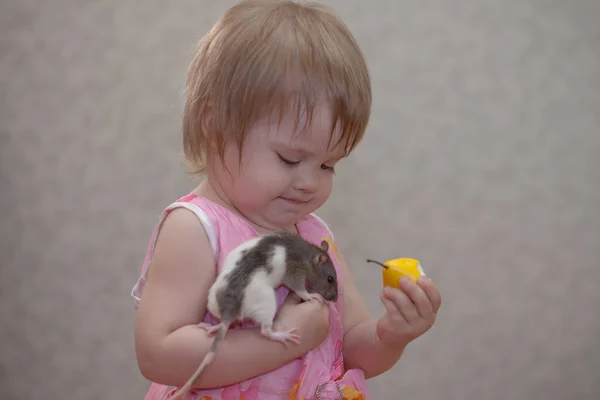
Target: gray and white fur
[(245, 288)]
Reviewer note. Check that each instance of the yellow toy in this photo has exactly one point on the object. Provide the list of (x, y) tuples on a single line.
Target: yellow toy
[(394, 270)]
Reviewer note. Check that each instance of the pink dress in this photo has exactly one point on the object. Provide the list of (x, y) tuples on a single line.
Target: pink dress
[(320, 373)]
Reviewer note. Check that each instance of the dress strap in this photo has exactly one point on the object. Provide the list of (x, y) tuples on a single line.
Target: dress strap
[(324, 224), (204, 220)]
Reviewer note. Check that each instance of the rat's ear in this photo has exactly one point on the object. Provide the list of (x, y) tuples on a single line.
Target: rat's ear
[(320, 259), (325, 245)]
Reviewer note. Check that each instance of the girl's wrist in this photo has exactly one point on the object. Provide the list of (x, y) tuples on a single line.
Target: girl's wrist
[(312, 321), (391, 340), (315, 323)]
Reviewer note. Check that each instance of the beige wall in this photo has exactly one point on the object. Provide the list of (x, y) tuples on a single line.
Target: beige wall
[(482, 159)]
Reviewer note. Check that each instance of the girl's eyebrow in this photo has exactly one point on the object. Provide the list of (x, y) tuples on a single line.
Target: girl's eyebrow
[(295, 148), (305, 152), (300, 150)]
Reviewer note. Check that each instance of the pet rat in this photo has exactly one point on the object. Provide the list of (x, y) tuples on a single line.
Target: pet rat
[(251, 272)]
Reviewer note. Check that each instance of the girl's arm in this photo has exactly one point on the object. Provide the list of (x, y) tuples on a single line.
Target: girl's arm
[(362, 347), (376, 345), (169, 344)]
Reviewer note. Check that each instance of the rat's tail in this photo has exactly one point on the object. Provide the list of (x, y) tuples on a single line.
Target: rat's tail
[(208, 358)]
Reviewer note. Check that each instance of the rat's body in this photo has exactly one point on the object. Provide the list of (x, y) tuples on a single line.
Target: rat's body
[(245, 287)]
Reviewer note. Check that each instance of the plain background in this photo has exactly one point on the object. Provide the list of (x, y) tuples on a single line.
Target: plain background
[(482, 159)]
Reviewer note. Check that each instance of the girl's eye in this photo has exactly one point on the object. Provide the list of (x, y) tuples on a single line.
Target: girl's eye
[(328, 168), (286, 162)]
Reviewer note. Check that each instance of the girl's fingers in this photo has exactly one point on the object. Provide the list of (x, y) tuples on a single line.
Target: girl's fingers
[(418, 297), (432, 292), (391, 308), (403, 304)]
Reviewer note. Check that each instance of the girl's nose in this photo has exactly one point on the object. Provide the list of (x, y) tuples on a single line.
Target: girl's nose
[(306, 181)]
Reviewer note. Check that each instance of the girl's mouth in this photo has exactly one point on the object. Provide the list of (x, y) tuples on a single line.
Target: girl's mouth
[(295, 201)]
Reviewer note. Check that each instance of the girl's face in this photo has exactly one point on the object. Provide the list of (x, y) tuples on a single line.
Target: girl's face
[(283, 175)]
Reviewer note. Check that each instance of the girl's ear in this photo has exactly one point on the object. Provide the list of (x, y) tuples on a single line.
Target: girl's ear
[(207, 123)]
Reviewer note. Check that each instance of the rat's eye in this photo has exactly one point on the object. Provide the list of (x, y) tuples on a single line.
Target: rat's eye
[(330, 279)]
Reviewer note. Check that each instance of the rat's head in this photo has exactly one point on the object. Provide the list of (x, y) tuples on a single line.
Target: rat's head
[(325, 277)]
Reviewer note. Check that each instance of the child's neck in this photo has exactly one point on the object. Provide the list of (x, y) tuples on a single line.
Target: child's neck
[(208, 190)]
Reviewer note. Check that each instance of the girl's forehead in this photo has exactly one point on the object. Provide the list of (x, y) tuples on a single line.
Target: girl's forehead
[(298, 118), (313, 137), (302, 125)]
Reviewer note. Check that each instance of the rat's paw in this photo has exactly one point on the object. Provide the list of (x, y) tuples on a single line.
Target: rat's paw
[(293, 336), (204, 325), (316, 297), (306, 296), (211, 330), (283, 337)]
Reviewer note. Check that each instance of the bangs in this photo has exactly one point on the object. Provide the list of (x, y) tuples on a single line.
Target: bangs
[(290, 60)]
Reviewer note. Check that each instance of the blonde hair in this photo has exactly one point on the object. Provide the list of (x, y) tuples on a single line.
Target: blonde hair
[(266, 55)]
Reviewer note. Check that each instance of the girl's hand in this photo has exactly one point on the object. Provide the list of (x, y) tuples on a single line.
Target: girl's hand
[(311, 318), (411, 311)]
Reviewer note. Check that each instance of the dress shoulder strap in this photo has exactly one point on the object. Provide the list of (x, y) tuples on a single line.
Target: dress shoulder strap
[(193, 204), (323, 224), (204, 220)]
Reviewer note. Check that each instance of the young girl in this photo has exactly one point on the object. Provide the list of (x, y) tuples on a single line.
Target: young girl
[(278, 93)]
